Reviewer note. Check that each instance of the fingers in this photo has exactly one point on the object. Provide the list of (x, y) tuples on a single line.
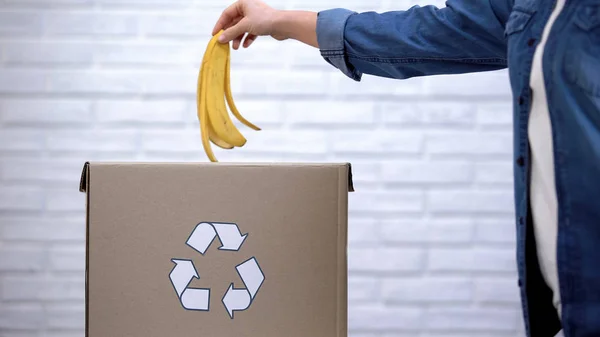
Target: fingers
[(227, 17), (249, 39), (237, 42), (233, 32), (234, 22)]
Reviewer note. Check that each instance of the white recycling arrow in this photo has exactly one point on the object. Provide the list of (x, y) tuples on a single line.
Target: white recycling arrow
[(228, 233), (181, 276), (240, 299), (196, 299), (202, 236), (236, 300)]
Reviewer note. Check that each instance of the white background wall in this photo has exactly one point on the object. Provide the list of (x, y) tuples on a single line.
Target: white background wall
[(431, 231)]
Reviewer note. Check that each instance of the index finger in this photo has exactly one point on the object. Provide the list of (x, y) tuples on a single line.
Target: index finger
[(228, 15)]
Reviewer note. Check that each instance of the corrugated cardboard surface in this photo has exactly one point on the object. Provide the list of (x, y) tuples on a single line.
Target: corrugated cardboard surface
[(140, 216)]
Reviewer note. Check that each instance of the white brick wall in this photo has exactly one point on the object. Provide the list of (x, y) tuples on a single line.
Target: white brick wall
[(431, 227)]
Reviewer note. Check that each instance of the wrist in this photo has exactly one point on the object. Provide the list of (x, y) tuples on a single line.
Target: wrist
[(296, 25), (281, 22)]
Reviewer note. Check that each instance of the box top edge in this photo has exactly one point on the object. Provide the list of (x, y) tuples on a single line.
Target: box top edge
[(83, 182)]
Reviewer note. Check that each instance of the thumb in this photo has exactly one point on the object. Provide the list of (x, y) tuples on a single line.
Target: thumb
[(231, 33)]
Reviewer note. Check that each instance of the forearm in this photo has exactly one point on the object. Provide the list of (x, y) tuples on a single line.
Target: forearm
[(297, 25), (462, 37)]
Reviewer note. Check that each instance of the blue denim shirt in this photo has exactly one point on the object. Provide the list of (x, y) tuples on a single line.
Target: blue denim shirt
[(482, 35)]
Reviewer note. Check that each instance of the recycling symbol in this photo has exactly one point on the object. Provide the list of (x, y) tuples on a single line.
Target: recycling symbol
[(234, 299)]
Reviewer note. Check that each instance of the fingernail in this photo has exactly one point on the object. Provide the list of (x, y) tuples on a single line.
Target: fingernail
[(222, 38)]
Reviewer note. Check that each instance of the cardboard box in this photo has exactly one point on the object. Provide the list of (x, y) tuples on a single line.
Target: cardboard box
[(216, 250)]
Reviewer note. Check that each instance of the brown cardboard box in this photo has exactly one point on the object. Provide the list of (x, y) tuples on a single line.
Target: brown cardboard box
[(216, 250)]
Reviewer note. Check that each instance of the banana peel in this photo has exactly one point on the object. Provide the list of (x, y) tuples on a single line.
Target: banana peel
[(214, 96)]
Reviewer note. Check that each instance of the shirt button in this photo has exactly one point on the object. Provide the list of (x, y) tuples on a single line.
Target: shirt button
[(530, 42), (521, 221), (521, 161), (521, 100)]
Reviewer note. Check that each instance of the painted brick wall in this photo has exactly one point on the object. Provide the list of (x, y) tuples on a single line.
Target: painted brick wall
[(431, 229)]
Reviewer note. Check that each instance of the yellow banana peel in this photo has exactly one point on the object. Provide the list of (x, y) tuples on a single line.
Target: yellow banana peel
[(213, 92)]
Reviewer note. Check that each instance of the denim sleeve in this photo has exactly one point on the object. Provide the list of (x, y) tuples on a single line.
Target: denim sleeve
[(465, 36)]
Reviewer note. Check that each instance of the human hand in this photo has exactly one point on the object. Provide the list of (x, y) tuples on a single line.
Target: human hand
[(250, 18)]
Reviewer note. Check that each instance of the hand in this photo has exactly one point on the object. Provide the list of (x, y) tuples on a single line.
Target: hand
[(250, 18)]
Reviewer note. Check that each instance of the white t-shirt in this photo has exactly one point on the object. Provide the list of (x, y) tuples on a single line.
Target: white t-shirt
[(543, 190)]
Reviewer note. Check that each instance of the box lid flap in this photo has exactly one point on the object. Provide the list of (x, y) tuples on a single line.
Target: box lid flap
[(350, 180), (83, 181)]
